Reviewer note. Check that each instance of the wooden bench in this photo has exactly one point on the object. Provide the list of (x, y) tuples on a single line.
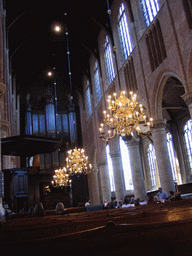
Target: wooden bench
[(162, 238), (48, 226)]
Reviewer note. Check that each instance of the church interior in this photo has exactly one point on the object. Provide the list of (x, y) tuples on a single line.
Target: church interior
[(96, 113)]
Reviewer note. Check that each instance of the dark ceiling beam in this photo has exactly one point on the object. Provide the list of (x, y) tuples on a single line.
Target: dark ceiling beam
[(90, 51), (96, 56), (178, 85), (102, 26)]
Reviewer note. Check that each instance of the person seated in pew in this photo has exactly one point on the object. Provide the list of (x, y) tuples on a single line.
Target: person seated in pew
[(39, 210), (30, 213), (174, 196), (111, 205), (60, 208), (88, 203), (105, 204), (2, 214), (115, 204), (126, 200), (137, 202), (162, 195), (151, 200), (120, 204)]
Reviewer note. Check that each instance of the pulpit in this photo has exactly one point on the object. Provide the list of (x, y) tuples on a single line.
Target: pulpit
[(16, 189)]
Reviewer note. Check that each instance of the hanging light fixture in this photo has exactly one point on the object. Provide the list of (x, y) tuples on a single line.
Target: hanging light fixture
[(61, 178), (125, 117), (77, 162)]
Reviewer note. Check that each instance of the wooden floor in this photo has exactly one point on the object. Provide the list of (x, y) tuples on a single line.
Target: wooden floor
[(163, 229)]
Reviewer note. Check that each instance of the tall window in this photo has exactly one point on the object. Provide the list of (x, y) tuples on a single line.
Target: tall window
[(188, 141), (172, 156), (126, 165), (110, 168), (152, 160), (188, 10), (88, 100), (109, 60), (97, 82), (124, 32), (155, 45), (150, 10)]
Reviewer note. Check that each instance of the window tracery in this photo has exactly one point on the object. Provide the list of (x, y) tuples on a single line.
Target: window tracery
[(124, 32), (109, 60)]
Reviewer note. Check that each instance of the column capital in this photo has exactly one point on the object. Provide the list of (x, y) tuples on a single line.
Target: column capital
[(2, 90), (94, 171), (187, 97), (102, 164), (161, 123), (132, 142), (114, 155)]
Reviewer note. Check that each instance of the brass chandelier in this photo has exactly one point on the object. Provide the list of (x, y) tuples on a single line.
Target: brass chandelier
[(77, 162), (125, 117), (61, 178)]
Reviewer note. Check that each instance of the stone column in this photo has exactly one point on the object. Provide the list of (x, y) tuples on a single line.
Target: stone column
[(103, 172), (105, 182), (117, 168), (187, 97), (162, 155), (94, 187), (136, 168), (2, 91)]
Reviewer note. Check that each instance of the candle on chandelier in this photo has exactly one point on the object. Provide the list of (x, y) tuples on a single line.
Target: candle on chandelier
[(101, 128)]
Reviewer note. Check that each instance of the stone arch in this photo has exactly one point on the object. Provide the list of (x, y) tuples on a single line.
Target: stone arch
[(159, 93)]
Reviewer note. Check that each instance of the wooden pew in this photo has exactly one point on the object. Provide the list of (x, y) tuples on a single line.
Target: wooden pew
[(164, 238), (26, 230)]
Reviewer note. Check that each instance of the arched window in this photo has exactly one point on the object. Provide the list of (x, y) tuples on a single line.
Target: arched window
[(152, 164), (172, 156), (188, 141), (97, 82), (124, 32), (126, 165), (31, 161), (109, 60), (110, 168), (150, 10), (88, 100)]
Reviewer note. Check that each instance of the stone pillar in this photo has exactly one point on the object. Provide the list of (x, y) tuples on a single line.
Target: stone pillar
[(94, 187), (136, 168), (162, 155), (187, 97), (2, 91), (105, 182), (117, 168)]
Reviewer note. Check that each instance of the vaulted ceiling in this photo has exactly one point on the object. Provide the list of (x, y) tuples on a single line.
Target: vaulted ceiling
[(34, 48)]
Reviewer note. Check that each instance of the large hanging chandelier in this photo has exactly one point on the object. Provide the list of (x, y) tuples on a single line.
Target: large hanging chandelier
[(77, 162), (61, 178), (124, 117)]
